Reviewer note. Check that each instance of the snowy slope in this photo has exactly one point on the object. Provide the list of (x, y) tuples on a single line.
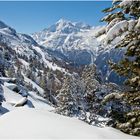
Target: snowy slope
[(46, 61), (21, 43), (29, 81), (13, 99), (10, 96), (24, 45), (21, 97), (39, 102), (41, 124)]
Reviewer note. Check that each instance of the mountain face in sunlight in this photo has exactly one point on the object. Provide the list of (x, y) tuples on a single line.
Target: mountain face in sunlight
[(77, 44)]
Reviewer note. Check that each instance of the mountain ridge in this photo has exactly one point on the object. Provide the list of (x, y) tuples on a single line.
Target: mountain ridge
[(80, 46), (66, 45)]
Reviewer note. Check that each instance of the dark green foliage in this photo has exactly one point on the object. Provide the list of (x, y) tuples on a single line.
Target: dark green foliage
[(129, 66)]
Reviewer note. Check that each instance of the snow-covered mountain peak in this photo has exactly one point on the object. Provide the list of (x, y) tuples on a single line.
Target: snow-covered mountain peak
[(67, 27), (67, 39), (62, 21), (78, 44)]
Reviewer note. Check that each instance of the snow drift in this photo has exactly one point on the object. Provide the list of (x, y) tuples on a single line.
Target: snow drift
[(42, 124)]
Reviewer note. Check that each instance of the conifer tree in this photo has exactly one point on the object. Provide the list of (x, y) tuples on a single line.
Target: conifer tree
[(11, 71), (89, 77), (123, 19), (92, 83), (71, 98), (1, 94)]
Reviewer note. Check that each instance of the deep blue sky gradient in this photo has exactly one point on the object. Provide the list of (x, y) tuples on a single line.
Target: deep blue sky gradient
[(29, 17)]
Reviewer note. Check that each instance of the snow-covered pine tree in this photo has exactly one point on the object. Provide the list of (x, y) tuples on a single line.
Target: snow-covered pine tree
[(11, 72), (70, 98), (91, 80), (1, 94), (2, 69), (50, 83), (18, 72), (123, 20)]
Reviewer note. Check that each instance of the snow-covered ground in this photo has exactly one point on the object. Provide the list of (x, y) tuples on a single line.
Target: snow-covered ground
[(36, 120), (42, 124), (10, 96), (32, 117), (29, 81), (13, 99), (39, 102)]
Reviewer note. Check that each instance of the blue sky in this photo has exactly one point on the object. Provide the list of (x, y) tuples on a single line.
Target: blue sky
[(29, 17)]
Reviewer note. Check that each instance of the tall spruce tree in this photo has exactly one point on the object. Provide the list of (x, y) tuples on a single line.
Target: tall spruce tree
[(70, 99), (123, 19), (91, 80)]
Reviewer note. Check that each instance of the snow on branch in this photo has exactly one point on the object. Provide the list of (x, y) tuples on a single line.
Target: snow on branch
[(120, 28), (125, 3), (112, 96)]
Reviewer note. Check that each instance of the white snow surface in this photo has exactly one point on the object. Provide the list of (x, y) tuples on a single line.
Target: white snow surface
[(39, 102), (10, 96), (14, 100), (41, 124), (29, 81), (21, 101), (10, 85)]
